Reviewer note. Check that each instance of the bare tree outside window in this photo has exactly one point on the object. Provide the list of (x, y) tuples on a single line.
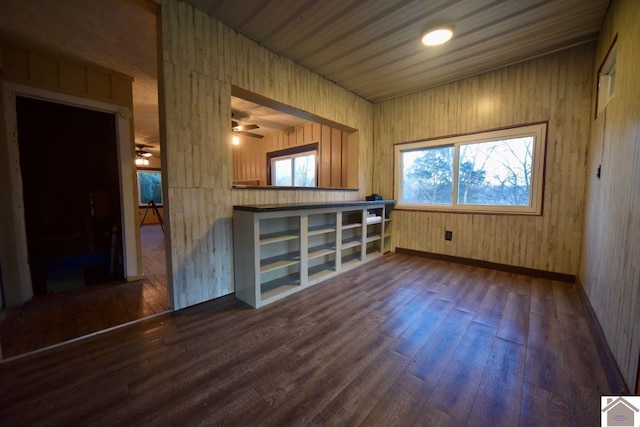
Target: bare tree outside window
[(496, 172), (304, 171), (428, 176)]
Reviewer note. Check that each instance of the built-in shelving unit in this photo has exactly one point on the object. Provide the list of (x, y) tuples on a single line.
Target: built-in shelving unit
[(281, 249)]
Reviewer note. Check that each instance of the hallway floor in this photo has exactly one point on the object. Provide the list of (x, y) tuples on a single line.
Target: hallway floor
[(51, 319)]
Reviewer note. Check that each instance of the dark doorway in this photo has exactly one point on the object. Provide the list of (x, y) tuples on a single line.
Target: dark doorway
[(71, 191)]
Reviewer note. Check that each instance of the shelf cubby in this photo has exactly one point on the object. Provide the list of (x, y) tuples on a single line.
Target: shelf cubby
[(321, 270), (350, 260), (321, 250), (279, 261), (281, 285), (280, 236), (352, 242)]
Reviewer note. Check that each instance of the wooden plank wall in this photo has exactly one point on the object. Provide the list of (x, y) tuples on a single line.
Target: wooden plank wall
[(610, 268), (250, 160), (250, 157), (556, 88), (32, 67), (201, 59)]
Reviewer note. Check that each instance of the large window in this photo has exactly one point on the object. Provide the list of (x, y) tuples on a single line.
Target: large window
[(294, 167), (498, 171)]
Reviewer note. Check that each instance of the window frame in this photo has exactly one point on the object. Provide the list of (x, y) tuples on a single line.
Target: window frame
[(537, 130), (292, 153), (607, 77)]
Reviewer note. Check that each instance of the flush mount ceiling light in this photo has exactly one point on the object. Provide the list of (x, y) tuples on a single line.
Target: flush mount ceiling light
[(235, 140), (437, 36)]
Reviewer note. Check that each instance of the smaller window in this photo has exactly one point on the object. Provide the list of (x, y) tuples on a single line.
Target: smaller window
[(149, 187), (607, 79), (295, 167)]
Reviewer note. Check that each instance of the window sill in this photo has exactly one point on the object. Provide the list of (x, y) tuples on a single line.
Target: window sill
[(470, 211), (276, 187)]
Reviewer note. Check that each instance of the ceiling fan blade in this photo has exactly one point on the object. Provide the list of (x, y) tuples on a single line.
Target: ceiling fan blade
[(242, 128), (251, 134)]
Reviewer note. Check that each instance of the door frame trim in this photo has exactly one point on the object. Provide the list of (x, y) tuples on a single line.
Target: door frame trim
[(16, 275)]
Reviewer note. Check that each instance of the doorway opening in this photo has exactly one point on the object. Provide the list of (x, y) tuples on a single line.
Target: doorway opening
[(87, 257), (71, 194), (70, 297)]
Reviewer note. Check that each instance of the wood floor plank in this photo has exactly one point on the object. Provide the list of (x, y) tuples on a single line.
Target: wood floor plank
[(112, 390), (498, 400), (389, 303), (514, 324), (409, 314), (541, 407), (432, 417), (327, 381), (566, 298), (356, 401), (489, 312), (542, 299), (382, 344), (583, 361), (210, 389), (546, 367), (474, 292), (401, 405), (434, 356), (415, 336), (458, 385), (585, 405), (521, 284)]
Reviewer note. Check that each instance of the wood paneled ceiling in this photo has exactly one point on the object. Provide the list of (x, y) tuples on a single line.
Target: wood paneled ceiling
[(369, 47), (373, 48)]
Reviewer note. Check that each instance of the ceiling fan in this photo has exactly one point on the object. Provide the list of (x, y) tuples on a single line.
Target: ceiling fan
[(141, 152), (142, 155), (243, 129)]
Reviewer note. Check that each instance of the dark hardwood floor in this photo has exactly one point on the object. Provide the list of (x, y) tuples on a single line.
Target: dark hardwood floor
[(401, 341), (55, 318)]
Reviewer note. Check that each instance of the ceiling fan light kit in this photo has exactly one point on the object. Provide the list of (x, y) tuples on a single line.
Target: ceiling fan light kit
[(142, 155)]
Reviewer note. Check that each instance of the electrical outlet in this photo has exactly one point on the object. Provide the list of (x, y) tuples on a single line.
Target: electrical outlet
[(448, 235)]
